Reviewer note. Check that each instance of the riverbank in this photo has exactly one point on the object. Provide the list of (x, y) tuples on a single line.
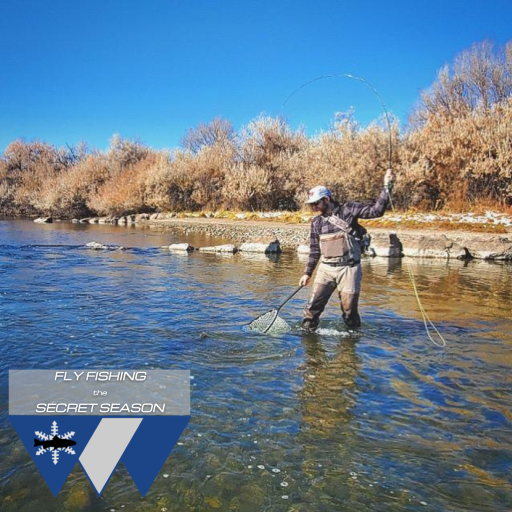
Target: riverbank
[(487, 237), (385, 242)]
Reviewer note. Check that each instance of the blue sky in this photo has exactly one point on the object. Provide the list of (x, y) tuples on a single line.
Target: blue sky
[(81, 71)]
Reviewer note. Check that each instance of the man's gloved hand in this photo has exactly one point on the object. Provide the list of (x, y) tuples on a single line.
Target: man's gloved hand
[(389, 179), (304, 280)]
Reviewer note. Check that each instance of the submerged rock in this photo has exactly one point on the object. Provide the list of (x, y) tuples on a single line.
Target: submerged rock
[(96, 246), (43, 220), (181, 247), (228, 248)]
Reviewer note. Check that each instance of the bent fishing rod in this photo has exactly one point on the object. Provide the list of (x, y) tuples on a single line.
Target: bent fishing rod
[(426, 319)]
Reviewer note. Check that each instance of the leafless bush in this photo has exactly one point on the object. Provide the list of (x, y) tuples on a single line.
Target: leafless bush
[(461, 160), (217, 132), (270, 153), (456, 152), (479, 78), (29, 172), (350, 160)]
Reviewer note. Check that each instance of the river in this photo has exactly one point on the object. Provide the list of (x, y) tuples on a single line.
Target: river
[(383, 420)]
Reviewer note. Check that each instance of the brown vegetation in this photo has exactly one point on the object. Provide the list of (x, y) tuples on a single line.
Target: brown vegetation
[(455, 154)]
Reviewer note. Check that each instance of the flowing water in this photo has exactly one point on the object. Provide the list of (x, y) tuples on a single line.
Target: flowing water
[(382, 420)]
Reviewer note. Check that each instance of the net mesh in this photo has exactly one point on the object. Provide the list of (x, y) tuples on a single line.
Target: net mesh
[(269, 323)]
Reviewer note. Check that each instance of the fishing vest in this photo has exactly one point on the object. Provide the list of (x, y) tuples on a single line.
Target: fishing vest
[(341, 246)]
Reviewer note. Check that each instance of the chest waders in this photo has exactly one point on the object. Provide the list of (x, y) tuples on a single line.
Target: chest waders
[(339, 269)]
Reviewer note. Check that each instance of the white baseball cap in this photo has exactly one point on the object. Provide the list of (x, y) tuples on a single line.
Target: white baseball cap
[(316, 193)]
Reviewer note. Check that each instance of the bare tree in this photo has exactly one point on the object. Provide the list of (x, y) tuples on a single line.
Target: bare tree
[(478, 79)]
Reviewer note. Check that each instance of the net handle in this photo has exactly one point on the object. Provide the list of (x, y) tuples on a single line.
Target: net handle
[(290, 297)]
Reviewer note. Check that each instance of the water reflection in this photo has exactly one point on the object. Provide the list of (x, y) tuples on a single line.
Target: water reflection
[(329, 390)]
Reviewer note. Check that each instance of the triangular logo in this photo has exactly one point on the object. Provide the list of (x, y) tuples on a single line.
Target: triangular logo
[(144, 461), (55, 443)]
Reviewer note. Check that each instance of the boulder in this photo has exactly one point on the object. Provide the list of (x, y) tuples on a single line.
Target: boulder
[(142, 217), (85, 220), (435, 246), (94, 220), (181, 247), (386, 245), (122, 221), (228, 248), (107, 220), (154, 216), (262, 245), (74, 221), (43, 220), (490, 248)]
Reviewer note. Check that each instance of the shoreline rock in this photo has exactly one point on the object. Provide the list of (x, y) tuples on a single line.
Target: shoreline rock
[(267, 237), (385, 242), (226, 248)]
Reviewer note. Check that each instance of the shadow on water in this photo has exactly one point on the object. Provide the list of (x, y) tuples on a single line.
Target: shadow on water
[(382, 420)]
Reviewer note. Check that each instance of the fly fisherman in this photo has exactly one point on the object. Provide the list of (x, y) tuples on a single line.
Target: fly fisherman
[(335, 240)]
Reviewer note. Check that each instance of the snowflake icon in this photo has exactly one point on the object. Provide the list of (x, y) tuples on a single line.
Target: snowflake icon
[(54, 443)]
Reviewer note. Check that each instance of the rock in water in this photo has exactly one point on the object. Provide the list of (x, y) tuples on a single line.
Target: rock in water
[(181, 247), (228, 248), (262, 245), (101, 247)]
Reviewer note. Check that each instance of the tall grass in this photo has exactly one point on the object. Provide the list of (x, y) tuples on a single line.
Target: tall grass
[(455, 153)]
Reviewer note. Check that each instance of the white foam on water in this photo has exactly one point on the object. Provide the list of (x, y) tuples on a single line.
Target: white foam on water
[(334, 332)]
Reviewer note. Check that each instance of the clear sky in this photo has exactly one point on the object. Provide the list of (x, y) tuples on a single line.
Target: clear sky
[(75, 71)]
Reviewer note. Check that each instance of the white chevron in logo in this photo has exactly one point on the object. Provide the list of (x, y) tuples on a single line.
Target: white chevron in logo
[(106, 447)]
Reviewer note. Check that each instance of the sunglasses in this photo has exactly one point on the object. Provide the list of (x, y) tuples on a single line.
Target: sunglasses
[(316, 203)]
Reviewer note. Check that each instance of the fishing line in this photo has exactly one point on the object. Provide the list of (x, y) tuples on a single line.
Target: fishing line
[(426, 319)]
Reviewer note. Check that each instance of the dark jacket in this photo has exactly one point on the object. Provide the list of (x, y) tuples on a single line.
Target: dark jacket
[(350, 212)]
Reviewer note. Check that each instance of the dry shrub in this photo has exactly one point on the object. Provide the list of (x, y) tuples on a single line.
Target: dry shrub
[(350, 160), (456, 153), (478, 79), (158, 183), (247, 187), (269, 159), (459, 149), (29, 173), (74, 188), (217, 132), (461, 160), (198, 179), (124, 191)]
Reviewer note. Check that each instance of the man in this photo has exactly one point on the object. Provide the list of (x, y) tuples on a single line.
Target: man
[(335, 241)]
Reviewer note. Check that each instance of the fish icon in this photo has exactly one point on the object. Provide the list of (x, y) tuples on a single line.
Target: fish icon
[(54, 443)]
